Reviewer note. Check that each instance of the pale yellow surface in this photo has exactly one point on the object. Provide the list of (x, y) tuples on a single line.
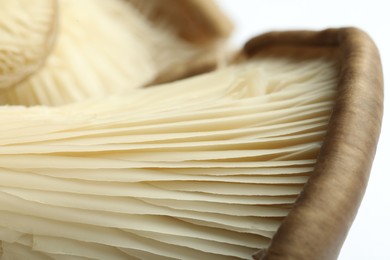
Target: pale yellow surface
[(92, 166), (199, 168)]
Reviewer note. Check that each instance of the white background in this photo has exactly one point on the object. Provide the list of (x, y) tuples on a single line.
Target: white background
[(369, 237)]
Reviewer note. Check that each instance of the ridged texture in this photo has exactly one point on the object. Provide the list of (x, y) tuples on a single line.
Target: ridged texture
[(27, 33), (110, 48), (204, 168)]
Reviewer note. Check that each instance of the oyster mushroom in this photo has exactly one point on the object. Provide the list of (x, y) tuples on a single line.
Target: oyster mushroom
[(201, 168), (108, 49)]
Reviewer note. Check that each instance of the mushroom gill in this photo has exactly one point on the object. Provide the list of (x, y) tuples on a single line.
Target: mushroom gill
[(202, 168), (27, 34), (109, 48)]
